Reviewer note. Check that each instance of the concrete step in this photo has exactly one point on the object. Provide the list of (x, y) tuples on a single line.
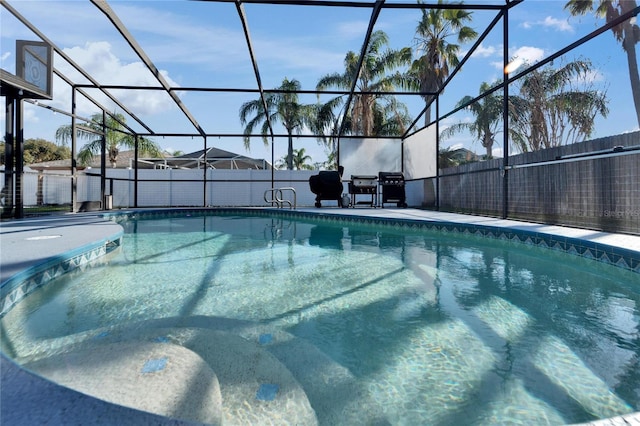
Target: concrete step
[(265, 374), (163, 379), (253, 386), (256, 388)]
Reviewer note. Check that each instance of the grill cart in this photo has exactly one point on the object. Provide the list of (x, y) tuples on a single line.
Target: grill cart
[(364, 185), (392, 184)]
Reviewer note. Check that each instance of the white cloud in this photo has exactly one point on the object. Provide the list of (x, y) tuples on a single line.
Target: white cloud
[(524, 55), (486, 51), (551, 23), (97, 59), (594, 76), (521, 56), (529, 54), (30, 113), (558, 24), (5, 56)]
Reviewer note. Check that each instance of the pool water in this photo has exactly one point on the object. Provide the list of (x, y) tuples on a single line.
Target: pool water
[(377, 325)]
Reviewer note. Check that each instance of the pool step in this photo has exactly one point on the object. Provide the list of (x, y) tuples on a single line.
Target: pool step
[(264, 374), (249, 384), (334, 392), (256, 388), (167, 379)]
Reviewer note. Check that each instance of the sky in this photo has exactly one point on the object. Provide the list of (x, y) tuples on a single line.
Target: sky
[(201, 44)]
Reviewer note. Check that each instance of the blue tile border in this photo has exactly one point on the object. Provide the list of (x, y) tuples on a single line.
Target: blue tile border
[(20, 285)]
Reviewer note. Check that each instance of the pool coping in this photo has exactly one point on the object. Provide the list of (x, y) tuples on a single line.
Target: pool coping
[(34, 251)]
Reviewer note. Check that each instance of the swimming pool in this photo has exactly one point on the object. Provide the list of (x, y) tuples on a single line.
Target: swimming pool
[(362, 324)]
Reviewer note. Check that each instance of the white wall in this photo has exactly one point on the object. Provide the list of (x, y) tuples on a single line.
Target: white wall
[(420, 154), (361, 156), (225, 187)]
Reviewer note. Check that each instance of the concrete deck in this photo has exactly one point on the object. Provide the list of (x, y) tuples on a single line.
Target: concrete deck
[(26, 399)]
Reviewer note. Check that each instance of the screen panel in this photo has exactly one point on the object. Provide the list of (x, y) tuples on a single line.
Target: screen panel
[(368, 156), (420, 154)]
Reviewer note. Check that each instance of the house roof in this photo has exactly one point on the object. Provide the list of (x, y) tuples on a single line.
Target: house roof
[(123, 161), (216, 159)]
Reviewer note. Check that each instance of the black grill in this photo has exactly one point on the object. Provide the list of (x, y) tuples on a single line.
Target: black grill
[(392, 184), (327, 185), (364, 185)]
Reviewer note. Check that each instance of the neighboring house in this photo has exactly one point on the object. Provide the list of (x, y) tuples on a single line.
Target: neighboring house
[(216, 159), (463, 155)]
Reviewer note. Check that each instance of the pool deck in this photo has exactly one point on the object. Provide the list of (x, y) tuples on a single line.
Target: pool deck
[(28, 399)]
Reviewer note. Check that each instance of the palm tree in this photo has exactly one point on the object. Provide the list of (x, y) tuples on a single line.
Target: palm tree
[(447, 158), (391, 118), (549, 111), (436, 55), (115, 139), (488, 116), (282, 106), (374, 76), (172, 153), (627, 33), (300, 159)]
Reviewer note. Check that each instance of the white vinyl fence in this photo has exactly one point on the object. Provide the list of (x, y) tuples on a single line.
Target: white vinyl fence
[(171, 188)]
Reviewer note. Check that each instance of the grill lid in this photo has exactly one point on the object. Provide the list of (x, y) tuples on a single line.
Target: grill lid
[(363, 181), (396, 178)]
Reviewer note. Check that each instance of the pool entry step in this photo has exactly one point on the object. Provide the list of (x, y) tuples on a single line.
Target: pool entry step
[(249, 375)]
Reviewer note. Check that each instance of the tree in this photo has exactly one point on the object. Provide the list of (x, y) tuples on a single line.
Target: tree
[(38, 151), (300, 159), (369, 114), (172, 153), (282, 106), (391, 118), (447, 158), (115, 139), (627, 33), (555, 107), (436, 55), (488, 117)]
